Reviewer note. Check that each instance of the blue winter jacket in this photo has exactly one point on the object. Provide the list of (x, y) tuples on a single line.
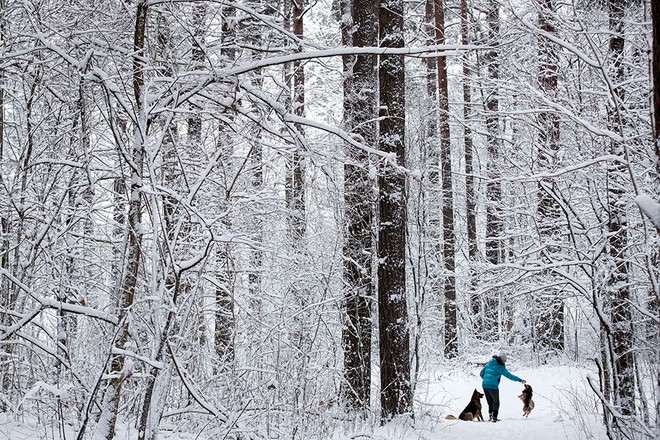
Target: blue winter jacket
[(492, 372)]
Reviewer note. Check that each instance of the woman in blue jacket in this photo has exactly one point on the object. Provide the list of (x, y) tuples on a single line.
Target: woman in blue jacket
[(491, 374)]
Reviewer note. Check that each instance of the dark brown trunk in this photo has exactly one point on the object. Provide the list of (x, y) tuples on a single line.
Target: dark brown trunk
[(396, 391), (448, 239), (296, 186), (470, 195), (359, 116)]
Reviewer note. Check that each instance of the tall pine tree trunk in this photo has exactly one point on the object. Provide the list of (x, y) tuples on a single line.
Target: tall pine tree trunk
[(396, 391), (448, 237), (470, 194), (359, 115)]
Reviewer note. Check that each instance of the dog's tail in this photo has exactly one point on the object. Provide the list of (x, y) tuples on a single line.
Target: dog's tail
[(450, 417)]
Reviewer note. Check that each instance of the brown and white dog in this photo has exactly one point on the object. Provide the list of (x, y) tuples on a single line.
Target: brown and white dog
[(528, 403)]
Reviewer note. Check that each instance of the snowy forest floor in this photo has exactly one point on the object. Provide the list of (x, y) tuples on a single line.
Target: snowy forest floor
[(565, 409)]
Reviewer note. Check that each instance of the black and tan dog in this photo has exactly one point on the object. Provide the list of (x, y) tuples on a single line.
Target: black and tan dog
[(472, 411), (528, 403)]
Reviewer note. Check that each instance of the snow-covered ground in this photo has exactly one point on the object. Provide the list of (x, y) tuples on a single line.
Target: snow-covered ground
[(565, 410), (565, 407)]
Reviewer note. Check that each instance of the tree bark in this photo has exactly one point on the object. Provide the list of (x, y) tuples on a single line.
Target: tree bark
[(396, 391), (448, 237), (470, 195), (108, 418), (296, 184), (360, 85), (617, 226)]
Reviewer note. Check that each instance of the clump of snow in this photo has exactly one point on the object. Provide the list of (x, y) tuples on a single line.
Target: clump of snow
[(650, 208)]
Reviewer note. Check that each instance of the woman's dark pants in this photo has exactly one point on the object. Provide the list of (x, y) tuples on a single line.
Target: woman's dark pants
[(493, 399)]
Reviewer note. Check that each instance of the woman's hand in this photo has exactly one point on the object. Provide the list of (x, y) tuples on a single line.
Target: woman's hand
[(523, 381)]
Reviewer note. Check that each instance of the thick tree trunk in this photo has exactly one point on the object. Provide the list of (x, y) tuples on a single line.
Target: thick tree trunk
[(396, 391), (448, 237), (470, 194), (360, 85)]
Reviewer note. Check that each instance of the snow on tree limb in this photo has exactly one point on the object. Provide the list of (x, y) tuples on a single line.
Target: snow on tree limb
[(59, 305), (650, 208)]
